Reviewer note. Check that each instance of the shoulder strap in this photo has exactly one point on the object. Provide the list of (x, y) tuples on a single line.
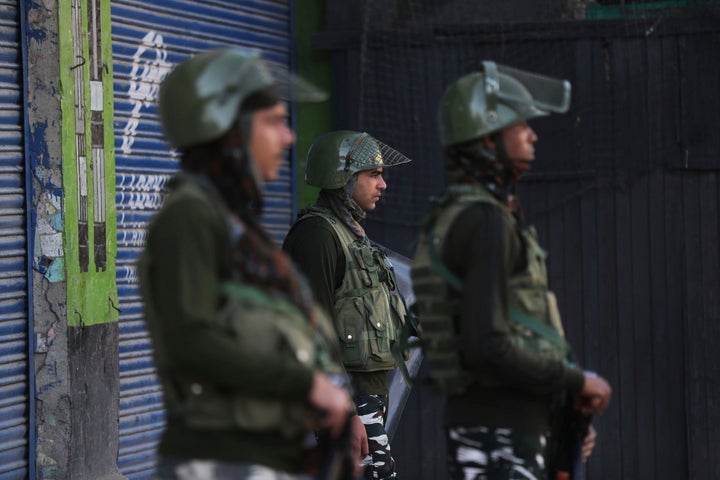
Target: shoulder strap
[(343, 233), (457, 199), (542, 329)]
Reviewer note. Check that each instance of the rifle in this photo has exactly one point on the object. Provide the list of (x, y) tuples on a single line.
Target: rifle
[(568, 434), (331, 458)]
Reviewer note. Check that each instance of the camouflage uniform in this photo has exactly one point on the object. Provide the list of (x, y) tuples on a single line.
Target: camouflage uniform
[(372, 410), (352, 278), (180, 469), (505, 325), (482, 453)]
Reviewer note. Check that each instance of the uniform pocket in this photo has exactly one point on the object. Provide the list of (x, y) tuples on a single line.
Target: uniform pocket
[(351, 329), (397, 308), (364, 328), (381, 328), (532, 301)]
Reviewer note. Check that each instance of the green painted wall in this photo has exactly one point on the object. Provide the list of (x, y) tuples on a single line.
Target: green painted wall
[(91, 290), (312, 119)]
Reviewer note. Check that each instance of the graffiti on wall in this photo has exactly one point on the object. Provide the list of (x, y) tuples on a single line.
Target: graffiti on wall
[(150, 66)]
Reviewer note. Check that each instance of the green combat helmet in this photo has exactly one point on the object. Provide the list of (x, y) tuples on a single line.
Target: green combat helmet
[(485, 102), (200, 98), (334, 158)]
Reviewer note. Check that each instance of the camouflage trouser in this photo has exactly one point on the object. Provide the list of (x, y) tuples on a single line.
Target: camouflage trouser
[(480, 453), (182, 469), (372, 409)]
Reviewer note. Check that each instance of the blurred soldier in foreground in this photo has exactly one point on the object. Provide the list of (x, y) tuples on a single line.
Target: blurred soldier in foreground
[(246, 361), (479, 269)]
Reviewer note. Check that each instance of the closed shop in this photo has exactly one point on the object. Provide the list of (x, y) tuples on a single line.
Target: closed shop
[(14, 398), (148, 39)]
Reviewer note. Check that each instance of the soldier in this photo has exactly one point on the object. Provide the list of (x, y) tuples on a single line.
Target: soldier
[(479, 269), (351, 278), (243, 354)]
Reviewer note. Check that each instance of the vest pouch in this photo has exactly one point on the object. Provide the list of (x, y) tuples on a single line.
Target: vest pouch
[(351, 330), (367, 270), (536, 272), (532, 301), (523, 336), (398, 313), (382, 328), (204, 408), (554, 313), (531, 342), (208, 409), (268, 325), (363, 330), (272, 330), (328, 355), (260, 415)]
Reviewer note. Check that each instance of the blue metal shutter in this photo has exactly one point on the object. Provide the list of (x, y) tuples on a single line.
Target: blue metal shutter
[(148, 39), (14, 399)]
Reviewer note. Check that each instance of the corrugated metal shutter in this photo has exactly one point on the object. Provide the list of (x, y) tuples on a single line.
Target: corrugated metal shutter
[(13, 255), (148, 38)]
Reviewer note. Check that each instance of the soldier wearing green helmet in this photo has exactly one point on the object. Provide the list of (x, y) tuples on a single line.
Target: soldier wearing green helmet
[(480, 270), (246, 359), (352, 278)]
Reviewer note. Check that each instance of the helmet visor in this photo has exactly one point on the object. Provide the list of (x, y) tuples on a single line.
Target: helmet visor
[(367, 153), (548, 94), (293, 87)]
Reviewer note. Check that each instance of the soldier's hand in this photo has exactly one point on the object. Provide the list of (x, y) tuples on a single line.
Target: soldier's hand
[(333, 401), (595, 395), (359, 443), (588, 443)]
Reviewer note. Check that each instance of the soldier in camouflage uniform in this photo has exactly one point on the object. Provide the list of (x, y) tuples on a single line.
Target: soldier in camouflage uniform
[(245, 358), (491, 271), (351, 278)]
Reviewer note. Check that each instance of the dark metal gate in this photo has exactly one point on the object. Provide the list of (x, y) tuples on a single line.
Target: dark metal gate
[(625, 195)]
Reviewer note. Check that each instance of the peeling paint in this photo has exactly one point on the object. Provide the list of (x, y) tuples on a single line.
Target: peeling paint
[(49, 386), (44, 228), (44, 149), (51, 245), (56, 271), (48, 464), (41, 345), (55, 201), (56, 221)]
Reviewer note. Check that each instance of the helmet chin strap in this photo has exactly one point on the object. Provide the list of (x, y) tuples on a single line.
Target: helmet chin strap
[(488, 164), (245, 122), (510, 174), (239, 180), (352, 205)]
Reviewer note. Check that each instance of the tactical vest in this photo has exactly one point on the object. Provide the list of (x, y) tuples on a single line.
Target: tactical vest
[(369, 311), (257, 321), (533, 314)]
